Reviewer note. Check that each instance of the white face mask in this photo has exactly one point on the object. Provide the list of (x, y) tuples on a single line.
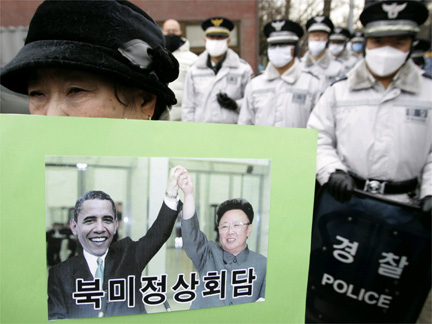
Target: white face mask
[(216, 47), (280, 56), (336, 49), (384, 61), (316, 47)]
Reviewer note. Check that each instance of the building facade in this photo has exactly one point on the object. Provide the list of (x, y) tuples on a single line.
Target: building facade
[(15, 16)]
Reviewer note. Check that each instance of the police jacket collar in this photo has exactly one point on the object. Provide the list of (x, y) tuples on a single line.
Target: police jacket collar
[(324, 61), (345, 55), (407, 79), (291, 75), (231, 60)]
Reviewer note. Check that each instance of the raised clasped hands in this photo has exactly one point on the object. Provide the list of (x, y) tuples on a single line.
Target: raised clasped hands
[(185, 183), (172, 186)]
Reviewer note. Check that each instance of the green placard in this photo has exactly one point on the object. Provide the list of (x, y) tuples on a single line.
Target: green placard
[(26, 140)]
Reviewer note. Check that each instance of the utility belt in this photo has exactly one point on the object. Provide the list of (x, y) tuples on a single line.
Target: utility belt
[(385, 187)]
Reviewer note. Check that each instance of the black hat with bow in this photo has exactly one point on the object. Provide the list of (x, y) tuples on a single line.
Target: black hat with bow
[(114, 38)]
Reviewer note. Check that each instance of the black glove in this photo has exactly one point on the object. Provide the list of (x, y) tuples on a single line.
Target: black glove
[(226, 102), (426, 206), (341, 185)]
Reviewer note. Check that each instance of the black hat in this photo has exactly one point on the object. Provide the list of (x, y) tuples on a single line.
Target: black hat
[(220, 26), (340, 34), (231, 204), (111, 37), (394, 17), (319, 23), (282, 31), (357, 36), (420, 47)]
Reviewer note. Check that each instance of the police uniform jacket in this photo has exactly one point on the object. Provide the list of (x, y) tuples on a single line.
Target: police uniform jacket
[(185, 58), (283, 100), (377, 133), (348, 59), (202, 86), (124, 258), (327, 68), (208, 256)]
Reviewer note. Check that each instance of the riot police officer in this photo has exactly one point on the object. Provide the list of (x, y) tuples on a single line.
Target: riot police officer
[(375, 126), (284, 94), (215, 84), (317, 59), (338, 47), (357, 41)]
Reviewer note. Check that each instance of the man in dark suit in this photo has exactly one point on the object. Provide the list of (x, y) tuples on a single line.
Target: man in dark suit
[(105, 279)]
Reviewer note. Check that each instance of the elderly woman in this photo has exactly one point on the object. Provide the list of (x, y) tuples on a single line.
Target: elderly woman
[(94, 59), (229, 273)]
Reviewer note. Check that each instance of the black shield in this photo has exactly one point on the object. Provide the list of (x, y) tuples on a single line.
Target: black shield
[(370, 261)]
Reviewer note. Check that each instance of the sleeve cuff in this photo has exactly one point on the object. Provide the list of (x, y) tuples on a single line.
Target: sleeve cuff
[(171, 202)]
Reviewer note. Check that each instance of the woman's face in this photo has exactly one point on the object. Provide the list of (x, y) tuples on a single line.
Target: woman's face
[(62, 92)]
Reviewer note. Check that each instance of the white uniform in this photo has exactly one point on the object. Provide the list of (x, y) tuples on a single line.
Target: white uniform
[(348, 59), (377, 133), (203, 85), (327, 68), (185, 58), (275, 100)]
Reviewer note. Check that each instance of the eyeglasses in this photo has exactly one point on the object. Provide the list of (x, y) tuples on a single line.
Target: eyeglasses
[(224, 228)]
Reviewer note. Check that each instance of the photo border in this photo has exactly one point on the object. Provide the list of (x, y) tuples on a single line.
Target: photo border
[(25, 140)]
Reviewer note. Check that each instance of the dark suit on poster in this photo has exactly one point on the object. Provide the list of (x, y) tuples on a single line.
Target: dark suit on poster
[(125, 258)]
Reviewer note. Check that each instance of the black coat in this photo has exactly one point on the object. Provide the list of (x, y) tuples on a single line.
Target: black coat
[(125, 258)]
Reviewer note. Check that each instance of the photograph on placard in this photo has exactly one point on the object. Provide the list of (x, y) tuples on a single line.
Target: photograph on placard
[(137, 235)]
